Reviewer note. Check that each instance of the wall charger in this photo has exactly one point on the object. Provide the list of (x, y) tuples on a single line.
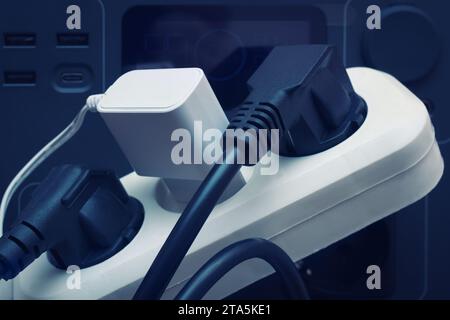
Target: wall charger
[(143, 109)]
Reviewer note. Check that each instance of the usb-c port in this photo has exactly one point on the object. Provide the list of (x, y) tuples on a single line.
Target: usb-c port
[(19, 40), (72, 39), (72, 77)]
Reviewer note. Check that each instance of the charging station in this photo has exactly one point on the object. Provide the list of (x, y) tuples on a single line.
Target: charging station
[(390, 163)]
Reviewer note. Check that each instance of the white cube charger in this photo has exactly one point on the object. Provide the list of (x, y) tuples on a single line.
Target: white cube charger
[(144, 107)]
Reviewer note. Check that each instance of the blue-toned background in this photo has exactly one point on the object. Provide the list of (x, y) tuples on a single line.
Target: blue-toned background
[(228, 39)]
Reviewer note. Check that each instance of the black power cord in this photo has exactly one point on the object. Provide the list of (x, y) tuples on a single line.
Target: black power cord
[(186, 229), (302, 91), (83, 217), (219, 265), (79, 216)]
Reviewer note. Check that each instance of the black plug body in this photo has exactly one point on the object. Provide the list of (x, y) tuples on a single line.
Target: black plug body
[(305, 92), (79, 216)]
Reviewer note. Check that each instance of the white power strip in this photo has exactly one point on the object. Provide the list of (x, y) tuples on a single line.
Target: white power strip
[(392, 161)]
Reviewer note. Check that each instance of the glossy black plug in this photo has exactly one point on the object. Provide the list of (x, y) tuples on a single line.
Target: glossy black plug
[(305, 92), (79, 216)]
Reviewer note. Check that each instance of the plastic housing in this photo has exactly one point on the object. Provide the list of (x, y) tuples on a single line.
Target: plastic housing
[(144, 107), (392, 161)]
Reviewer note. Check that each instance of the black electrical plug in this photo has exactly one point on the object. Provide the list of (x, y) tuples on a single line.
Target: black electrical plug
[(304, 92), (79, 216)]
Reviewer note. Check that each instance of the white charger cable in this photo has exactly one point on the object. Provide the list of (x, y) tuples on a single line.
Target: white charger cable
[(45, 152)]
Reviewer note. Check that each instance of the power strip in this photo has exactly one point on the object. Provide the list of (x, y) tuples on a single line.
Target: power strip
[(392, 161)]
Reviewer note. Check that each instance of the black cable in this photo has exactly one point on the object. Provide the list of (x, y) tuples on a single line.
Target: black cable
[(77, 215), (303, 92), (219, 265), (187, 228)]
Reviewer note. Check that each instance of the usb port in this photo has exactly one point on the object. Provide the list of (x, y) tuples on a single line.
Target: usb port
[(19, 78), (72, 39), (72, 77), (19, 39)]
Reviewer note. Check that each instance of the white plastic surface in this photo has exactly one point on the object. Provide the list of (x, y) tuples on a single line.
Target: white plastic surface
[(143, 108), (6, 292), (392, 161), (151, 91)]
